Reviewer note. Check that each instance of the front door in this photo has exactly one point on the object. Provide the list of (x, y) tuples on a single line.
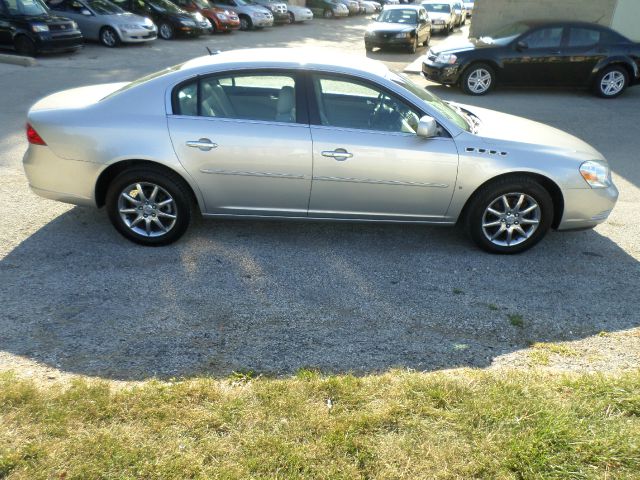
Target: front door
[(539, 63), (244, 141), (368, 162)]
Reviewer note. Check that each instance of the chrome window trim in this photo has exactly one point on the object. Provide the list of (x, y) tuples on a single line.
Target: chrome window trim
[(240, 120), (378, 132)]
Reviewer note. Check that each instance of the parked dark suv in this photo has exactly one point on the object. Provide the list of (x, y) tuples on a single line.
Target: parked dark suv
[(31, 28)]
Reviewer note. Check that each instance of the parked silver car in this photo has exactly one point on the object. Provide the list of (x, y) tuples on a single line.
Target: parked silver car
[(468, 6), (298, 13), (251, 14), (442, 15), (106, 22), (298, 134)]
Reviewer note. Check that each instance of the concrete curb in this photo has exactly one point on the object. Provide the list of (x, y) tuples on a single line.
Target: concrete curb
[(18, 60)]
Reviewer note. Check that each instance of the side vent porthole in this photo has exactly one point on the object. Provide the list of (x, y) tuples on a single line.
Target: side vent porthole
[(484, 151)]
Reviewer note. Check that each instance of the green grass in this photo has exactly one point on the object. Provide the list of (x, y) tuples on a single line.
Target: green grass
[(516, 320), (455, 425)]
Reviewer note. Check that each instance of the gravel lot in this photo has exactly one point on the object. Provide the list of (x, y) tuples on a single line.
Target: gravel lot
[(76, 298)]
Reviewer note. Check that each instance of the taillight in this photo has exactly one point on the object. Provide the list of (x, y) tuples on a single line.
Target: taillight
[(33, 136)]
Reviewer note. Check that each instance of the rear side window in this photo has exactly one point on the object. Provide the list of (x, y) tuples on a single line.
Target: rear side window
[(243, 96), (583, 37)]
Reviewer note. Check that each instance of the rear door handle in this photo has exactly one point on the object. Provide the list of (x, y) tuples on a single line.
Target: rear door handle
[(340, 154), (203, 144)]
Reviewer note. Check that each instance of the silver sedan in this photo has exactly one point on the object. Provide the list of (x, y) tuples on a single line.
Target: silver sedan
[(106, 22), (294, 134)]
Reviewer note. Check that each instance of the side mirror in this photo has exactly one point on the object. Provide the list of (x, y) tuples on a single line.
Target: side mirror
[(522, 45), (86, 12), (427, 127)]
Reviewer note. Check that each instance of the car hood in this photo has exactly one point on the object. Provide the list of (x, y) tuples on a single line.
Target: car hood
[(497, 128), (462, 46), (439, 16), (390, 27), (46, 19), (253, 9), (123, 18)]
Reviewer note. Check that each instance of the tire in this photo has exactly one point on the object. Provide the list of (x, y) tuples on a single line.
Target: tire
[(478, 79), (165, 31), (611, 82), (426, 42), (109, 37), (368, 47), (139, 220), (414, 46), (482, 225), (327, 13), (292, 18), (25, 46), (214, 27), (245, 23)]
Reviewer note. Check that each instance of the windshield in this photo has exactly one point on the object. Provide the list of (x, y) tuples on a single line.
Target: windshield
[(243, 2), (398, 16), (431, 100), (26, 7), (437, 7), (202, 3), (508, 32), (102, 7), (165, 6)]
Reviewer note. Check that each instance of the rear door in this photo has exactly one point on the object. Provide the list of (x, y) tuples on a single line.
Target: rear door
[(244, 137), (581, 51)]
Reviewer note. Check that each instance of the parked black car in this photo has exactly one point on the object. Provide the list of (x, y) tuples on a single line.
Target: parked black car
[(170, 19), (31, 28), (571, 54), (404, 26)]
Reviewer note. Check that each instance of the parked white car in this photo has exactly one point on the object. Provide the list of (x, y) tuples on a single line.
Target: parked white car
[(442, 15), (298, 13)]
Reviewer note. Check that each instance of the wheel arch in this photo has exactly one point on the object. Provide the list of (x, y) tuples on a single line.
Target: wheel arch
[(629, 65), (548, 184), (115, 169)]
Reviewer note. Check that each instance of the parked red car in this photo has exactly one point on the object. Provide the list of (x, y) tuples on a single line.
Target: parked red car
[(222, 20)]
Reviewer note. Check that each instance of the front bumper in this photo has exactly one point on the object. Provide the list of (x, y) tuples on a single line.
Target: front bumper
[(440, 27), (280, 17), (48, 42), (189, 31), (303, 17), (440, 73), (262, 21), (340, 13), (587, 207), (376, 41), (231, 24), (52, 177), (137, 36)]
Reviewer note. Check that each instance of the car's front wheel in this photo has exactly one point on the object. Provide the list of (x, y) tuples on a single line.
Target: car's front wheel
[(25, 46), (245, 23), (149, 206), (166, 31), (612, 82), (109, 37), (509, 215), (327, 13), (478, 79)]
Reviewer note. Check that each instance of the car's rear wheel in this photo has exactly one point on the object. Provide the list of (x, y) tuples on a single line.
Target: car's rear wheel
[(292, 18), (426, 42), (327, 13), (109, 37), (25, 46), (166, 31), (478, 79), (509, 215), (612, 82), (149, 206), (245, 23), (214, 27), (414, 45)]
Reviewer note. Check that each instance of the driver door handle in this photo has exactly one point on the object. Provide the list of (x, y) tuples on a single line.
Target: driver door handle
[(203, 144), (340, 154)]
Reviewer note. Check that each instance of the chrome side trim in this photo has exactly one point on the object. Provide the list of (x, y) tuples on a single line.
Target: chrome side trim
[(381, 182), (254, 174)]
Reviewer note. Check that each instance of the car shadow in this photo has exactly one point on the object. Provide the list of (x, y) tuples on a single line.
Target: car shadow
[(275, 297)]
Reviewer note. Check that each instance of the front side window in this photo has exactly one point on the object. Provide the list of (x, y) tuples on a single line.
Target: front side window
[(544, 38), (25, 7), (347, 103), (583, 37), (264, 97)]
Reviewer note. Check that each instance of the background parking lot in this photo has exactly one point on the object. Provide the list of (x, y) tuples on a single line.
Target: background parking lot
[(274, 297)]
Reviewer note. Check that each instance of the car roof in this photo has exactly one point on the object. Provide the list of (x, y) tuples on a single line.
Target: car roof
[(564, 23), (402, 7), (288, 58)]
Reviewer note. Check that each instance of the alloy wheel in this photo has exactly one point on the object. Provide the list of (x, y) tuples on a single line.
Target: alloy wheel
[(147, 209), (479, 81), (108, 37), (612, 83), (511, 219), (166, 32)]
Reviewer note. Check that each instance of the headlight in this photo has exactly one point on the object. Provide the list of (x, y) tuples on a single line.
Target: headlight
[(403, 35), (597, 174), (148, 22), (199, 17), (74, 25), (449, 58), (221, 16), (39, 27)]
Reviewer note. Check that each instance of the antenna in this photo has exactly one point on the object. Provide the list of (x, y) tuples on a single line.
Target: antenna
[(212, 52)]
